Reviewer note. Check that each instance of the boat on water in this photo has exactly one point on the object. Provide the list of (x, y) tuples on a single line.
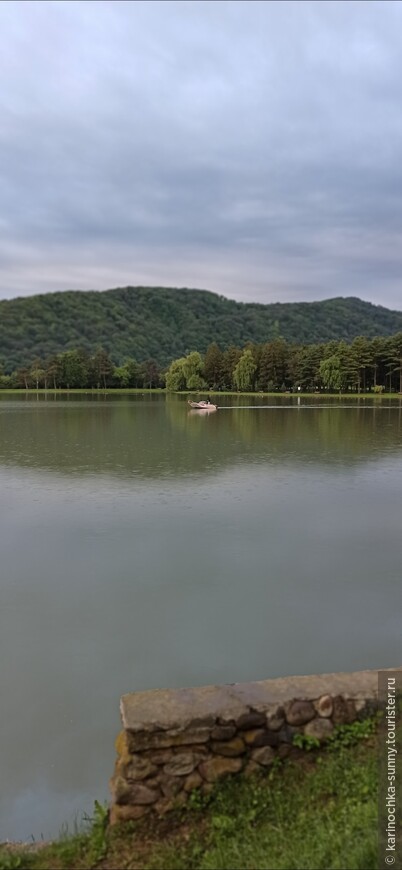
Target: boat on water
[(202, 406)]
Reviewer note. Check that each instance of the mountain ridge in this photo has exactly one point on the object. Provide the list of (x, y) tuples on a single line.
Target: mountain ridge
[(164, 322)]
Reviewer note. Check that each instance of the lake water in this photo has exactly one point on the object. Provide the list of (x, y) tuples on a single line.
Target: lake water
[(144, 546)]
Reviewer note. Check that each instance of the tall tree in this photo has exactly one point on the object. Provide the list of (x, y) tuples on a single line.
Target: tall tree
[(72, 370), (121, 374), (311, 357), (273, 364), (23, 377), (213, 367), (230, 359), (396, 356), (150, 374), (377, 355), (38, 373), (175, 377), (389, 364), (360, 354), (102, 367), (330, 373), (193, 370), (52, 370), (244, 372), (349, 367)]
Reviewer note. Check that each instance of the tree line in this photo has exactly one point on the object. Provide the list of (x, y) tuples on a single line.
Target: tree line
[(76, 368), (363, 365)]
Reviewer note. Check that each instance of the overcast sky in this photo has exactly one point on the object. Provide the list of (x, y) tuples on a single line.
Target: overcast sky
[(249, 148)]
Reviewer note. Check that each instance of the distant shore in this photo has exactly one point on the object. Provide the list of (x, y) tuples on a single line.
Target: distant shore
[(90, 391)]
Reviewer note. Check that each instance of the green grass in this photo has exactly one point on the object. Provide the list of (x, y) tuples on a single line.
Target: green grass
[(84, 849), (325, 817), (317, 813), (159, 390), (80, 390)]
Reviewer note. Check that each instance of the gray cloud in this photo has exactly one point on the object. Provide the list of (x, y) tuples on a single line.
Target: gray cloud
[(249, 148)]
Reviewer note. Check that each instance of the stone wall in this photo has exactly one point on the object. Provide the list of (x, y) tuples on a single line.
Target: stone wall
[(178, 740)]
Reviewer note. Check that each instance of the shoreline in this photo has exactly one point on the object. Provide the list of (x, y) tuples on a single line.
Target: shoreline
[(90, 391)]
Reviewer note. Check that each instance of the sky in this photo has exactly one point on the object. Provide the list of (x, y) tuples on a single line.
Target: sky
[(249, 148)]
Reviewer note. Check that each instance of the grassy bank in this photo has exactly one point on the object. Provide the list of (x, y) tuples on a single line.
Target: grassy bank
[(320, 812), (83, 391)]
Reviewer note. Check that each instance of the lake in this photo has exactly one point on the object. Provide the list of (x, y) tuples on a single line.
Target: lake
[(144, 545)]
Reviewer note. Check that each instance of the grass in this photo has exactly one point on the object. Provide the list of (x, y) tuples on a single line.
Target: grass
[(142, 390), (319, 812), (21, 391)]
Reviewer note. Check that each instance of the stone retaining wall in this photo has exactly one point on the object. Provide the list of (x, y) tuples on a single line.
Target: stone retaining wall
[(178, 740)]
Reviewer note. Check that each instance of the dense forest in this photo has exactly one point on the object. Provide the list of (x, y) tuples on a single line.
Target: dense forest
[(162, 324), (362, 365)]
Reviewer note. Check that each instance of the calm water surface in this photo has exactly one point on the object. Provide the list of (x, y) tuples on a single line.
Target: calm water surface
[(144, 545)]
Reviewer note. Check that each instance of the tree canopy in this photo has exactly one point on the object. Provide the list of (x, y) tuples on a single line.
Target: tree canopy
[(364, 364)]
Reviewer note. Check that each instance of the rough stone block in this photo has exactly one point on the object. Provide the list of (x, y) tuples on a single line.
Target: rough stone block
[(286, 734), (324, 706), (138, 741), (158, 757), (250, 720), (171, 785), (119, 814), (218, 767), (260, 737), (139, 768), (344, 712), (319, 728), (166, 709), (265, 755), (229, 748), (188, 708), (299, 712), (275, 718), (223, 732), (141, 794), (181, 764)]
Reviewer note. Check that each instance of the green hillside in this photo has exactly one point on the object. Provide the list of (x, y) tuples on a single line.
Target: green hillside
[(164, 323)]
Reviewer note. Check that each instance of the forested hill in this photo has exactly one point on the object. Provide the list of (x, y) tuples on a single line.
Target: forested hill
[(164, 323)]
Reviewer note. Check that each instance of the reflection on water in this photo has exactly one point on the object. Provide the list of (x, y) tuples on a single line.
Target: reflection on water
[(153, 436), (143, 546)]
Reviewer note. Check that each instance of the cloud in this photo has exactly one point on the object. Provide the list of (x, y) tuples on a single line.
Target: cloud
[(248, 148)]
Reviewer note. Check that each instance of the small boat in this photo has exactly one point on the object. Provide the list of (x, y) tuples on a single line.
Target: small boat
[(202, 406)]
